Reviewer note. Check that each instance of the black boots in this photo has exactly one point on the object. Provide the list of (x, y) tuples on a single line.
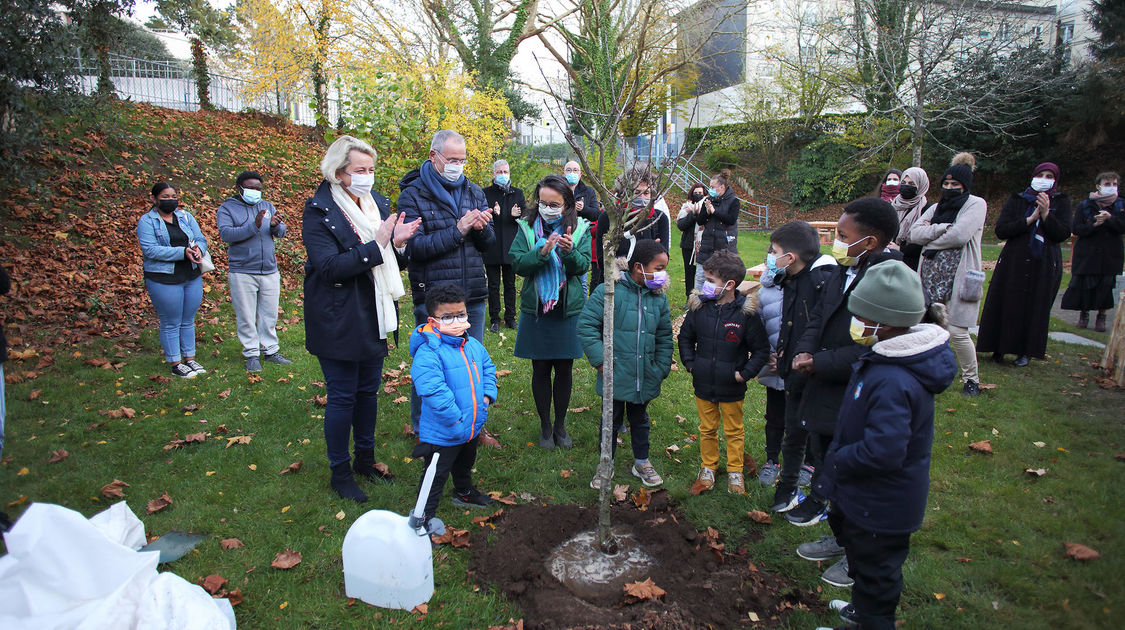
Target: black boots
[(364, 466), (562, 439), (343, 482), (546, 435)]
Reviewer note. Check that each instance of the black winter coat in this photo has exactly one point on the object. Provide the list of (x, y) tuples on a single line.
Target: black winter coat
[(720, 228), (1098, 250), (341, 321), (5, 286), (717, 340), (656, 231), (505, 224), (438, 252), (800, 295), (590, 208), (1017, 309), (828, 340)]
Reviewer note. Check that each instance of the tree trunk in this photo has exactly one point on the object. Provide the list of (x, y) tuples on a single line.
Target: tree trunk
[(105, 85), (200, 74), (917, 135), (319, 71), (1113, 361), (605, 463)]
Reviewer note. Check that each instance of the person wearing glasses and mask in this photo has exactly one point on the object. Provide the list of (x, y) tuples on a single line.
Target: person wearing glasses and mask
[(551, 252), (352, 282), (586, 204), (456, 227), (635, 188)]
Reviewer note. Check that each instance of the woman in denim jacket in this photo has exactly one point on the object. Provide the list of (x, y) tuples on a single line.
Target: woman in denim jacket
[(173, 248)]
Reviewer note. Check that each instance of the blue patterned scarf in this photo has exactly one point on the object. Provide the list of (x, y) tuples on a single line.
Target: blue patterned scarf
[(551, 278)]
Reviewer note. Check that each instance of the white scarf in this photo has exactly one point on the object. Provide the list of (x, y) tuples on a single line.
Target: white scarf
[(386, 277)]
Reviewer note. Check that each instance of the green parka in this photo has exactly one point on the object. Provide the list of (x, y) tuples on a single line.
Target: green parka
[(527, 261), (642, 338)]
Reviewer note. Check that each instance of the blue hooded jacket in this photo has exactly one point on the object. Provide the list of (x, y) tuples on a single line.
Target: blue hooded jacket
[(452, 375), (877, 471)]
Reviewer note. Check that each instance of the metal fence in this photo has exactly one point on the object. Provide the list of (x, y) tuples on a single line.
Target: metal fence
[(169, 84)]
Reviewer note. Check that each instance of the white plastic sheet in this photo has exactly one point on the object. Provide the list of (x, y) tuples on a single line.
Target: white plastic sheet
[(63, 571)]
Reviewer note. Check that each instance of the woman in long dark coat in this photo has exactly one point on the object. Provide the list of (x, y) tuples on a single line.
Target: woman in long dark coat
[(1099, 255), (1017, 311)]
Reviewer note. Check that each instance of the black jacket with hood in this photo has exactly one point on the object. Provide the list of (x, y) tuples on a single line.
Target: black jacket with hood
[(717, 340)]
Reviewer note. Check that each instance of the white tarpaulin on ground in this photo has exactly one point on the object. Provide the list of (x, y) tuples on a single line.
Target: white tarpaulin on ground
[(63, 571)]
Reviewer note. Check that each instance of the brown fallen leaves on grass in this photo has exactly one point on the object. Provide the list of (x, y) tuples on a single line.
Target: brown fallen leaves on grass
[(114, 489), (159, 503), (512, 625), (506, 500), (500, 373), (286, 560), (620, 492), (238, 439), (57, 456), (1035, 472), (641, 591), (641, 499), (223, 395), (487, 520), (194, 438), (984, 446), (1079, 551), (759, 516), (120, 412), (231, 543), (293, 468), (452, 536), (213, 583)]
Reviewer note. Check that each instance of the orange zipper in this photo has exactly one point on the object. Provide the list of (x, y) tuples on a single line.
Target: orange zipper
[(472, 391)]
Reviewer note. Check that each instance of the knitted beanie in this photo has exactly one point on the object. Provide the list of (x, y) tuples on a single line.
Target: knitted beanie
[(961, 170), (889, 293)]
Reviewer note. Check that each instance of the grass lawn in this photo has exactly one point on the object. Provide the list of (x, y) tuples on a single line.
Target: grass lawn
[(990, 553)]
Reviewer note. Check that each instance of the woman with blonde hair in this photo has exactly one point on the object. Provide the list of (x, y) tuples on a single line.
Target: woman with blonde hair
[(352, 282)]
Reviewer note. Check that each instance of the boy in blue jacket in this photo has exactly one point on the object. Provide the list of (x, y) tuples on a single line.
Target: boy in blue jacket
[(456, 380), (877, 471)]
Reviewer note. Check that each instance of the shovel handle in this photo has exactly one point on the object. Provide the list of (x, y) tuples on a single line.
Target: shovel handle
[(424, 492)]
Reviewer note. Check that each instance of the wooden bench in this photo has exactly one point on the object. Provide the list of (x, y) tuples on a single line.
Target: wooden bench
[(826, 230)]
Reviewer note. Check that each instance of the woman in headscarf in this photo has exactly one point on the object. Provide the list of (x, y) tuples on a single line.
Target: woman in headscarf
[(949, 232), (352, 282), (1017, 311), (1099, 223), (552, 252), (888, 188), (909, 204)]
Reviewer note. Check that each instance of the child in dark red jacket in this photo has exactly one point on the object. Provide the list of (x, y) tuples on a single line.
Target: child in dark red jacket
[(723, 345), (877, 471)]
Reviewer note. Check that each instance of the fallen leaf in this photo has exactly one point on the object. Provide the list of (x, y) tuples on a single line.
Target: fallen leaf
[(253, 467), (964, 559), (283, 605), (253, 378), (759, 516), (620, 492), (671, 448), (285, 509), (286, 560), (984, 446), (231, 543), (224, 394), (292, 468), (500, 373), (565, 474), (506, 500), (57, 456), (399, 400), (988, 385), (195, 437), (34, 394), (641, 499), (238, 439), (235, 597), (1039, 444), (420, 609), (1036, 472), (641, 591), (114, 489), (382, 469), (159, 503), (190, 408), (320, 401), (212, 583), (408, 430), (340, 515), (452, 536), (680, 419), (578, 409), (939, 596), (1080, 552), (483, 520)]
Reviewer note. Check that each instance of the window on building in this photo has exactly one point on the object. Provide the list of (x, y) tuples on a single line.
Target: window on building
[(1066, 32)]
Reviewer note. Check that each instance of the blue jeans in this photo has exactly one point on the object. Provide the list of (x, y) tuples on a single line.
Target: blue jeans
[(176, 305), (353, 390), (476, 331)]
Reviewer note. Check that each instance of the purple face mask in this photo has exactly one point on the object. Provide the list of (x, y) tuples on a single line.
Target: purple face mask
[(658, 279), (711, 291)]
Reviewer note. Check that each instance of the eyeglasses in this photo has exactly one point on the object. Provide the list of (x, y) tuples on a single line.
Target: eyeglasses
[(454, 161), (449, 319), (553, 206)]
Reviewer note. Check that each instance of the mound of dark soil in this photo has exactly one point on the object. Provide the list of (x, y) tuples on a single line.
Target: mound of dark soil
[(706, 586)]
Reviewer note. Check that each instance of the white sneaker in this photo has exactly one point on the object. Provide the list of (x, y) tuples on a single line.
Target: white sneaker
[(647, 475), (195, 367)]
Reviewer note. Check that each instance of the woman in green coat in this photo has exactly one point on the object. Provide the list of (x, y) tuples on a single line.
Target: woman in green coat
[(551, 252), (642, 346)]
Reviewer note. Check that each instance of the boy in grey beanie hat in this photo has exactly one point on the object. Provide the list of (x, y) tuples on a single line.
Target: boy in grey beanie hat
[(877, 470)]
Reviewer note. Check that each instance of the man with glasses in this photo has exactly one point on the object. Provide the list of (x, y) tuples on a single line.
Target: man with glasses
[(586, 204), (456, 228)]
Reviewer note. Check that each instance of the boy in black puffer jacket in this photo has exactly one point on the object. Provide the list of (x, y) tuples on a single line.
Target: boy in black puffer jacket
[(723, 345)]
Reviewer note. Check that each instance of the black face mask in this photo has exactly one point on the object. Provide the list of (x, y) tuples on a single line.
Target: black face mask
[(908, 191), (696, 197), (950, 193), (167, 206)]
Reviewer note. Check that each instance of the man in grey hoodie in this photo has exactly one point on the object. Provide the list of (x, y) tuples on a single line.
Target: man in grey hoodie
[(249, 224)]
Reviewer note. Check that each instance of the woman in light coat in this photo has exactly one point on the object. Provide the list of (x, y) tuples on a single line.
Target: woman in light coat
[(950, 233)]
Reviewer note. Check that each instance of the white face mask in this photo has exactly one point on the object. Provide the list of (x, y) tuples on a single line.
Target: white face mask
[(549, 214), (1042, 184), (361, 184), (1108, 190), (452, 172)]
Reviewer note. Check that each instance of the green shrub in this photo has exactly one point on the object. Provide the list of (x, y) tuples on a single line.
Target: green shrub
[(825, 172), (718, 159)]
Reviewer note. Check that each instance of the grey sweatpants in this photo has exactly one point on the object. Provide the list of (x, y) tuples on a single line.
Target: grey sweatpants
[(255, 300)]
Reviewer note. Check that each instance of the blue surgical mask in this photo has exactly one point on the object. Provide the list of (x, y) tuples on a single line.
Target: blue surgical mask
[(772, 268), (572, 178), (251, 196), (503, 179), (712, 192)]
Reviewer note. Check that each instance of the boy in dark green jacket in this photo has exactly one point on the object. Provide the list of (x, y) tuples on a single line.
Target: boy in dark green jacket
[(642, 346)]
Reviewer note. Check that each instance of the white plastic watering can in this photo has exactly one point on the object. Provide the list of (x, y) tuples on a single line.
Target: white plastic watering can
[(388, 558)]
